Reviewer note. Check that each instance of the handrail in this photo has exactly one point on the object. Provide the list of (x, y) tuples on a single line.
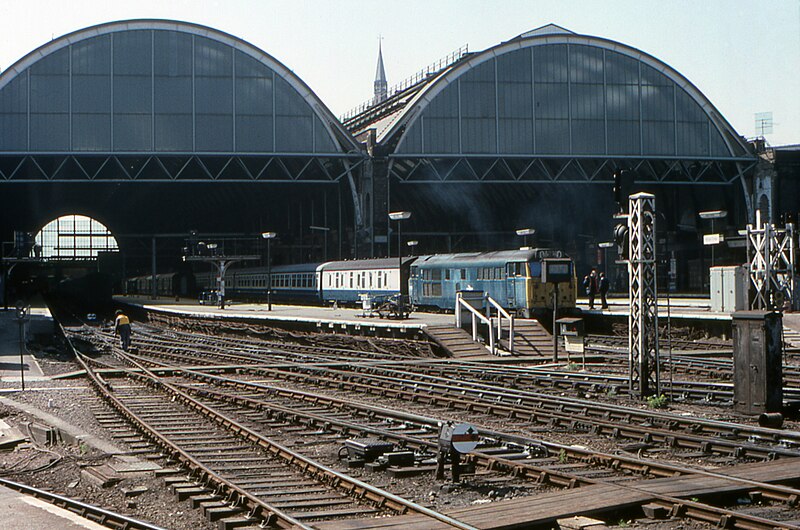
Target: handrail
[(476, 315), (501, 313)]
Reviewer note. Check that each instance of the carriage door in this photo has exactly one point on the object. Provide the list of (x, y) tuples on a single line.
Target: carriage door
[(513, 281)]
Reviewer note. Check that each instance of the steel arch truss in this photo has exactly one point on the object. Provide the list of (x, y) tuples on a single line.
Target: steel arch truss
[(525, 169), (156, 167), (643, 320)]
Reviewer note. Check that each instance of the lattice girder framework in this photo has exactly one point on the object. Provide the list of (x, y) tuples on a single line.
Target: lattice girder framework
[(189, 167), (770, 258), (526, 169), (643, 320)]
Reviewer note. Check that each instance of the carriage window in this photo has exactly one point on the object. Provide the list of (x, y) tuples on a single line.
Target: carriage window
[(351, 280), (436, 274), (498, 273), (447, 274)]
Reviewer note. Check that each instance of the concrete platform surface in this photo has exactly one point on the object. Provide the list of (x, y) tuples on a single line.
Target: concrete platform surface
[(289, 313), (679, 307), (9, 345), (23, 512)]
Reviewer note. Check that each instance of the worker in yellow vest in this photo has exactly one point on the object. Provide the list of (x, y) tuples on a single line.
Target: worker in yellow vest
[(122, 325)]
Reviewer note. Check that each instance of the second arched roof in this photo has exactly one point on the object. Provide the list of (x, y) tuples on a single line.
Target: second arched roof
[(407, 121)]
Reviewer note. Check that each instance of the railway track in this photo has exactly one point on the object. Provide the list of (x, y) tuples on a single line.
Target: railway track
[(451, 390), (501, 451), (237, 473)]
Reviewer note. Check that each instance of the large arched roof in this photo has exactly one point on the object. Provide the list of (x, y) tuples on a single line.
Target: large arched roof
[(456, 104), (87, 72)]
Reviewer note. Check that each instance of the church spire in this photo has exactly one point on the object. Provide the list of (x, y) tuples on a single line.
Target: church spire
[(380, 85)]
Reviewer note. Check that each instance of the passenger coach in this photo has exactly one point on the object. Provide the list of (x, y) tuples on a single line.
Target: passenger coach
[(346, 281)]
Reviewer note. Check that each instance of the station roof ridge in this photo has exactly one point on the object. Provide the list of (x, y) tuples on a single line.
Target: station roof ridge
[(547, 29)]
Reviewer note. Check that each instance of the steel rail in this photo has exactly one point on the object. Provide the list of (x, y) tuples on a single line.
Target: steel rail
[(697, 392), (582, 407), (710, 513), (495, 394), (349, 485), (93, 513), (696, 510), (284, 348), (495, 401), (662, 469), (257, 507)]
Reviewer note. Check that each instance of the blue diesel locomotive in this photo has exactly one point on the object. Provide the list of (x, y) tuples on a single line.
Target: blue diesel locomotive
[(511, 277)]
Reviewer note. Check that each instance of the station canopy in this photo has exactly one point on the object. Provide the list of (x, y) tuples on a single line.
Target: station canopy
[(551, 105), (158, 100)]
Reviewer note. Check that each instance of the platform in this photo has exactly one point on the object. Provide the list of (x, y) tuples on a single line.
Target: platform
[(287, 313), (676, 306), (40, 319), (531, 340), (23, 512)]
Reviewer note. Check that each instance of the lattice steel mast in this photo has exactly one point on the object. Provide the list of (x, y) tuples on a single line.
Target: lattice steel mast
[(643, 320), (770, 259)]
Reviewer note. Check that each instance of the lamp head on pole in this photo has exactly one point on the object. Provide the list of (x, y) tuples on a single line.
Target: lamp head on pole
[(525, 232), (269, 235), (713, 214), (399, 216)]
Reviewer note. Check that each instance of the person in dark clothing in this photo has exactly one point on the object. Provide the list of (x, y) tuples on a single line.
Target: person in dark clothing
[(591, 286), (122, 325), (603, 285)]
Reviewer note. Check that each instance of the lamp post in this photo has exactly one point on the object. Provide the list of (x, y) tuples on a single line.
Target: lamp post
[(525, 232), (399, 216), (412, 245), (220, 271), (713, 215), (605, 245), (269, 236), (324, 230)]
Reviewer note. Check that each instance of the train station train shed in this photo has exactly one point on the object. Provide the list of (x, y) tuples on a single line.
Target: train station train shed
[(160, 127)]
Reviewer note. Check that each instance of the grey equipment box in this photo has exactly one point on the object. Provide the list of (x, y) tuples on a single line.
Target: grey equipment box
[(757, 362), (729, 288)]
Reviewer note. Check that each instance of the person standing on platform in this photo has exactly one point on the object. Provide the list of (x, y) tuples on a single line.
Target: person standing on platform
[(590, 284), (122, 325), (603, 286)]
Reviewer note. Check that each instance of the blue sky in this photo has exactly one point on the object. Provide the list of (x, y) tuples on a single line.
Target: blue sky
[(744, 55)]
